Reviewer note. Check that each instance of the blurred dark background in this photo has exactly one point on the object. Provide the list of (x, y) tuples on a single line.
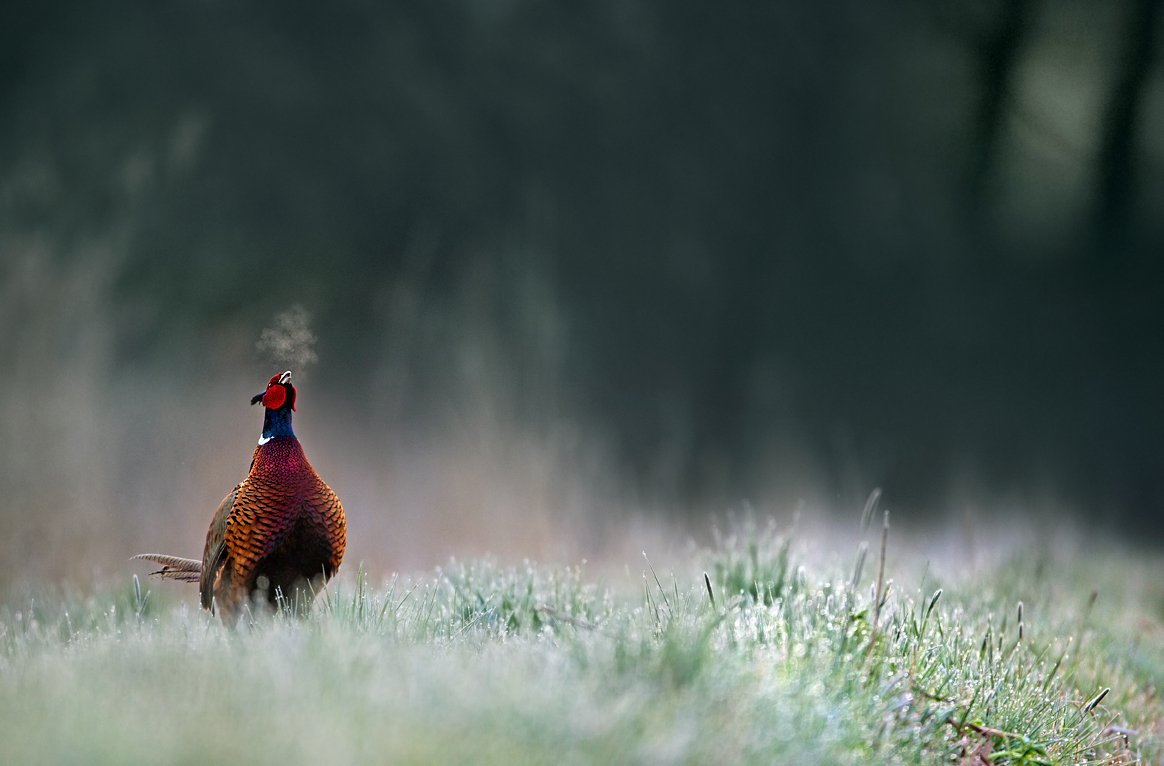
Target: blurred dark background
[(573, 265)]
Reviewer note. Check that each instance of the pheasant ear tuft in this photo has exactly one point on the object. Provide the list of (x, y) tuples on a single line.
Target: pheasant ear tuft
[(274, 397)]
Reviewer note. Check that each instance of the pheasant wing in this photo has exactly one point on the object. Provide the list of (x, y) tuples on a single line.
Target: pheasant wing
[(214, 556)]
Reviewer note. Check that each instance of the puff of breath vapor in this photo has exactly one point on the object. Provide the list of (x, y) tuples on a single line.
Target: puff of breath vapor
[(289, 342)]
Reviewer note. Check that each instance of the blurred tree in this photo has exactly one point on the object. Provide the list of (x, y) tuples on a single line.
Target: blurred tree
[(999, 48), (1118, 177)]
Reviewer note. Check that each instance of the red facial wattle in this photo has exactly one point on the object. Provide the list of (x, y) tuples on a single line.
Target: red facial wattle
[(275, 397)]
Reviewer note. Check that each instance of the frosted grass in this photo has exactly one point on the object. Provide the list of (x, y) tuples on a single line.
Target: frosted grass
[(481, 663)]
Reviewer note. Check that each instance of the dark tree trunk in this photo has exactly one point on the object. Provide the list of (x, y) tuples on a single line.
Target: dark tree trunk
[(999, 52), (1117, 172)]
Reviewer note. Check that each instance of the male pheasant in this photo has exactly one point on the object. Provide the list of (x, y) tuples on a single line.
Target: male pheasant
[(280, 531)]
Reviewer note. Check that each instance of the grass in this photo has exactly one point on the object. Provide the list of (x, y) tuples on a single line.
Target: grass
[(764, 661)]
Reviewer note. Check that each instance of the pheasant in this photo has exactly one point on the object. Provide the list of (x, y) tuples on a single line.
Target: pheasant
[(281, 531)]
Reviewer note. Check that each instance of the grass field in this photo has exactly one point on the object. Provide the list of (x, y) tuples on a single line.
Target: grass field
[(482, 663)]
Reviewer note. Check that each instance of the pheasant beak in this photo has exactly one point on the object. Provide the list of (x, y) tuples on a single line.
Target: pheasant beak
[(285, 377)]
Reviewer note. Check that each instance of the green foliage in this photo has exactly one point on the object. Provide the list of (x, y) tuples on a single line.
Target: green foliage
[(484, 663)]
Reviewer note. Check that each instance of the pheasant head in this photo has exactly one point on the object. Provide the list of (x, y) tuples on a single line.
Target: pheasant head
[(279, 401)]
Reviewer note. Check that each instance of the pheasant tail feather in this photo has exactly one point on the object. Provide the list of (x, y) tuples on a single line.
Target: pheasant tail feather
[(173, 567)]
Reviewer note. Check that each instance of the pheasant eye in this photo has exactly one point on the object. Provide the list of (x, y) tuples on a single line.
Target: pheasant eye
[(274, 397)]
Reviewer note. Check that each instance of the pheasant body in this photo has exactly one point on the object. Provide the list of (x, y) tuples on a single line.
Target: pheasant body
[(281, 531)]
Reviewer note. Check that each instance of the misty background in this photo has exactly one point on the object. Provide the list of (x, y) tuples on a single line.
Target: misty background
[(548, 273)]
